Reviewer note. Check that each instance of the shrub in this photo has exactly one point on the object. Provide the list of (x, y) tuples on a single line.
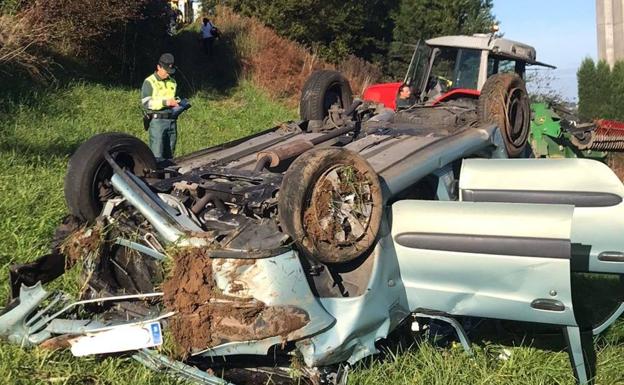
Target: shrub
[(115, 36), (23, 37)]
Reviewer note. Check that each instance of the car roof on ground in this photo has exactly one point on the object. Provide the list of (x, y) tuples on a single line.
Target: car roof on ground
[(497, 45)]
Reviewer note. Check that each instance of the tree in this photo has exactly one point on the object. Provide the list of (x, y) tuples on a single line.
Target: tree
[(604, 88), (369, 29), (587, 92), (601, 90), (616, 102), (423, 19), (539, 82)]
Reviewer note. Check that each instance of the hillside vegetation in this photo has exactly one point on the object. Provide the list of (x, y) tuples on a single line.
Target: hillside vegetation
[(276, 64), (381, 31)]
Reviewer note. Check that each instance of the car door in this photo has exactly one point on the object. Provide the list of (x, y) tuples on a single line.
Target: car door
[(496, 260), (590, 186)]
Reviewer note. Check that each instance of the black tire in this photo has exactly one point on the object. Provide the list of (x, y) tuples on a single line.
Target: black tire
[(87, 182), (311, 214), (323, 89), (504, 101)]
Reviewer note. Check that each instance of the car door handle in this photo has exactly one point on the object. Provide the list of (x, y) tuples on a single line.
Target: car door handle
[(547, 304), (611, 256)]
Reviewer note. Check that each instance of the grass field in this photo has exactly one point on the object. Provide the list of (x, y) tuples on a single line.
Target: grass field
[(39, 131)]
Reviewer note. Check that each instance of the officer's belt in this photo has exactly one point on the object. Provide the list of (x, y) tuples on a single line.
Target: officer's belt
[(161, 115)]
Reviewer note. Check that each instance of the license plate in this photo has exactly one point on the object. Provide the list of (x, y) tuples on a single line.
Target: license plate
[(118, 339)]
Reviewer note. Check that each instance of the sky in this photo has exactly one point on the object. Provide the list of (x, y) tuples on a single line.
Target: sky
[(563, 33)]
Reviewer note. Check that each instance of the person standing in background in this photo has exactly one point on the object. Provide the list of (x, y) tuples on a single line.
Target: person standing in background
[(207, 35)]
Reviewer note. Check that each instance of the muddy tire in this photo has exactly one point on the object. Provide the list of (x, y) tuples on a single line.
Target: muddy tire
[(504, 101), (87, 182), (330, 203), (323, 89)]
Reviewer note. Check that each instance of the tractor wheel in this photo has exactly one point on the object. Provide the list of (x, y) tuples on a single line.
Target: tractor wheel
[(322, 90), (330, 203), (504, 101), (87, 182)]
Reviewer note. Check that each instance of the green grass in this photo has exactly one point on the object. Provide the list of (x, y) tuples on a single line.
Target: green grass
[(524, 365)]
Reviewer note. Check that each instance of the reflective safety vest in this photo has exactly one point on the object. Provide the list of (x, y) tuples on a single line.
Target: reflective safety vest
[(162, 90)]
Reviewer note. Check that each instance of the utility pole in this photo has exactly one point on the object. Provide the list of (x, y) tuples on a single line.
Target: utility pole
[(610, 30)]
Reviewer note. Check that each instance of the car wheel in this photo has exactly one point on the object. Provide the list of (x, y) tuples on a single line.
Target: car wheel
[(330, 203), (322, 90), (504, 101), (87, 182)]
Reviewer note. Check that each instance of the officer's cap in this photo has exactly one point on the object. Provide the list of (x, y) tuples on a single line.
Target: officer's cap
[(166, 61)]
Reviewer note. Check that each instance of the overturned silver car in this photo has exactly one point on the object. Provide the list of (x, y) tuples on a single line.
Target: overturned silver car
[(318, 238)]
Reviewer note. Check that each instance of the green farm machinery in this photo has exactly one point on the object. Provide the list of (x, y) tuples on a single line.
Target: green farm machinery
[(556, 133)]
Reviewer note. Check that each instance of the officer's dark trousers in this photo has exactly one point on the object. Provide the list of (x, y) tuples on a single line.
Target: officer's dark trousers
[(163, 135)]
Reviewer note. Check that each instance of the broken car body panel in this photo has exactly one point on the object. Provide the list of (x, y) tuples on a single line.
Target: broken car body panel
[(276, 281)]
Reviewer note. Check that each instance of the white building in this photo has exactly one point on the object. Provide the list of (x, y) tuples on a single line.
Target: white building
[(191, 9)]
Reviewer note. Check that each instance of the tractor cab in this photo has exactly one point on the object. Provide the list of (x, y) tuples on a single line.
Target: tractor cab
[(449, 67)]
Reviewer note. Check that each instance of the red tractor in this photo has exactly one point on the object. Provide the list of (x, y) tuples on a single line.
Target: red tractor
[(477, 78), (452, 67), (462, 76)]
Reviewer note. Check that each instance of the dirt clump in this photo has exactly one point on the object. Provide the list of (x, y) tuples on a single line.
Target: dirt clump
[(206, 317), (191, 283), (82, 243)]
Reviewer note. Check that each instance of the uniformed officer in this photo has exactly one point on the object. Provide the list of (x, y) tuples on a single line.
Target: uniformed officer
[(158, 96)]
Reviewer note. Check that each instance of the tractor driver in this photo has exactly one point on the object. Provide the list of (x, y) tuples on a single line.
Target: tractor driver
[(405, 98)]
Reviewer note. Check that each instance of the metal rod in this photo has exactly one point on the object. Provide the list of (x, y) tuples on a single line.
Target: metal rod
[(156, 361), (157, 218), (332, 134), (141, 248)]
